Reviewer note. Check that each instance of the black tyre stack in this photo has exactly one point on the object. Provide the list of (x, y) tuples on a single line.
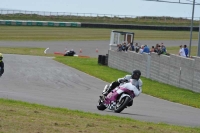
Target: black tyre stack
[(103, 59)]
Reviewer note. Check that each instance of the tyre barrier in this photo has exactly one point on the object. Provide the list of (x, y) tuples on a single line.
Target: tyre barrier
[(103, 59), (99, 59), (39, 23)]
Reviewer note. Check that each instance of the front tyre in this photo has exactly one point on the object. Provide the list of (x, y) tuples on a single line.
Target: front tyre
[(100, 105), (121, 105)]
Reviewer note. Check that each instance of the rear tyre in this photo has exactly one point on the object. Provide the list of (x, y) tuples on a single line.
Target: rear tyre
[(100, 105), (122, 104)]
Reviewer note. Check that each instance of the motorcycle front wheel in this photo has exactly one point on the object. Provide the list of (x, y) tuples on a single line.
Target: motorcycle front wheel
[(121, 105), (100, 105)]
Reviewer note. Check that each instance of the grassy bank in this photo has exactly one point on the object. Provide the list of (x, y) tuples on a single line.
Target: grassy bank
[(25, 33), (21, 117)]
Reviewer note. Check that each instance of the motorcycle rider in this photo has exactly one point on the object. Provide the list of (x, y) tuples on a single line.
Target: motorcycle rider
[(1, 65), (133, 81), (137, 82)]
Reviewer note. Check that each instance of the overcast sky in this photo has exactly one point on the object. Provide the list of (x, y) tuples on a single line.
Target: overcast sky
[(116, 7)]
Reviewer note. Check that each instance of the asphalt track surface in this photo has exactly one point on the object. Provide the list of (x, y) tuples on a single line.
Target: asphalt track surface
[(88, 48), (44, 81)]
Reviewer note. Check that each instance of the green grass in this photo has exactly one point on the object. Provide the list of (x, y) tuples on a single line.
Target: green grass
[(34, 33), (22, 117), (24, 51), (103, 19)]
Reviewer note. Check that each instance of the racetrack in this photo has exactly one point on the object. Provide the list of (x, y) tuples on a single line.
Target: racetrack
[(44, 81), (88, 48)]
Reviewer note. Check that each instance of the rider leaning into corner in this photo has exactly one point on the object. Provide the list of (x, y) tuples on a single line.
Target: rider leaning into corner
[(1, 65), (134, 83)]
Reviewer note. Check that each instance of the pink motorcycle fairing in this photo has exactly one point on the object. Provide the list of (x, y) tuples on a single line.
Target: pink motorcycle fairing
[(113, 95)]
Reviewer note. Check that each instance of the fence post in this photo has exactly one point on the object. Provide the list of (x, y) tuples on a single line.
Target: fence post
[(148, 66)]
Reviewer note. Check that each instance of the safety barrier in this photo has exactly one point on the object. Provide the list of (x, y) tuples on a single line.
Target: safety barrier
[(173, 70), (39, 23), (139, 27), (95, 25)]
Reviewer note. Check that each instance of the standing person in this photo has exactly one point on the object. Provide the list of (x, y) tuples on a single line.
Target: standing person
[(186, 50), (182, 51), (137, 48), (1, 65)]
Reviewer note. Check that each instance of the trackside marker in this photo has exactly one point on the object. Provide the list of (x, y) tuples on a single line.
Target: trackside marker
[(45, 51)]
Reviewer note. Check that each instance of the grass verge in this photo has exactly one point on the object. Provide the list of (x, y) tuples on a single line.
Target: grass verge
[(24, 51), (25, 33), (22, 117)]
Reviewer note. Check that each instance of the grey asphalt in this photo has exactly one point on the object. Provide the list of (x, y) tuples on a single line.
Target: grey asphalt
[(44, 81), (88, 48)]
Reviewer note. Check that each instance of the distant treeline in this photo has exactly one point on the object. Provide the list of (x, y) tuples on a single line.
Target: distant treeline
[(144, 20)]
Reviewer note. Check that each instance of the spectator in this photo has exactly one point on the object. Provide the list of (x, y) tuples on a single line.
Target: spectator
[(152, 49), (182, 51), (124, 47), (131, 47), (159, 51), (146, 49), (186, 50), (119, 47), (137, 48), (156, 48), (141, 49), (163, 48)]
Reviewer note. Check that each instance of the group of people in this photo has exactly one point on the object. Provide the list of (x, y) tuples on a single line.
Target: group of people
[(183, 51), (159, 49)]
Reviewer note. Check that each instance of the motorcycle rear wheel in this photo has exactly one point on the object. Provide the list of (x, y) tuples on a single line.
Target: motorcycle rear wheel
[(120, 106)]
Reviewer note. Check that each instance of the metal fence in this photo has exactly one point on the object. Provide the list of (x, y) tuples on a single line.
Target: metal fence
[(4, 12)]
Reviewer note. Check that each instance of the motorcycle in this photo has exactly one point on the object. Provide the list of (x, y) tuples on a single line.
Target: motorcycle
[(124, 98)]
